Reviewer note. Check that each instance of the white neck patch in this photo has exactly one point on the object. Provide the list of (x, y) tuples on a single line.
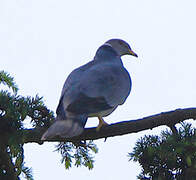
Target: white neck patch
[(108, 44)]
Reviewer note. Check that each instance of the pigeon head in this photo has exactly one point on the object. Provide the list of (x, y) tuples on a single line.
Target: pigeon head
[(121, 47)]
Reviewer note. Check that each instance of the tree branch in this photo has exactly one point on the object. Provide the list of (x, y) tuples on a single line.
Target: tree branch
[(169, 119), (7, 165)]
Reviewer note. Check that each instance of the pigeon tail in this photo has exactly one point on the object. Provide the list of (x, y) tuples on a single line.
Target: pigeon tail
[(67, 128)]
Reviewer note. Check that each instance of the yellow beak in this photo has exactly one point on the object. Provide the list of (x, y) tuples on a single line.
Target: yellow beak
[(132, 53)]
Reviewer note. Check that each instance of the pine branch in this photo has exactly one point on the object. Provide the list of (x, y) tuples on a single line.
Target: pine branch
[(7, 164), (169, 119), (7, 80)]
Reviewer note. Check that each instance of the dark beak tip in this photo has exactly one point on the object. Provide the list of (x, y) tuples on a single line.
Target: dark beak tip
[(131, 52)]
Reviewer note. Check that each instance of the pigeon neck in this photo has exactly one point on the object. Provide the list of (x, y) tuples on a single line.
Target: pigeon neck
[(106, 52)]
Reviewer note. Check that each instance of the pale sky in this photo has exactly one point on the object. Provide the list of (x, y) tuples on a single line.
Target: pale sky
[(42, 41)]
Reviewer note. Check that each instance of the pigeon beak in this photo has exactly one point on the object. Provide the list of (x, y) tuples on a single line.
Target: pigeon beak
[(132, 53)]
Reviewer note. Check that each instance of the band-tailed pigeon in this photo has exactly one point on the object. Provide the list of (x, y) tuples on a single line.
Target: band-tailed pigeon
[(93, 90)]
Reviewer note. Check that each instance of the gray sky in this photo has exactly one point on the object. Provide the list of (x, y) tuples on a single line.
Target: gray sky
[(41, 42)]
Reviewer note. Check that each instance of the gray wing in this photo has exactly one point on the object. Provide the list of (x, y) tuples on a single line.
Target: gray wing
[(95, 87), (110, 81)]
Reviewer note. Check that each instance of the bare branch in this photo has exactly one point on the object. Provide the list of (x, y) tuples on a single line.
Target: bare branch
[(169, 119)]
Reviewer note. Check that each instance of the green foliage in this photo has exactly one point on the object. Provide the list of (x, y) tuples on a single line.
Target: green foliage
[(27, 172), (7, 80), (168, 156), (14, 110), (78, 153)]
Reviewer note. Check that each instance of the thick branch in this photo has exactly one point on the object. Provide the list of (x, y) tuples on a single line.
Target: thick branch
[(125, 127)]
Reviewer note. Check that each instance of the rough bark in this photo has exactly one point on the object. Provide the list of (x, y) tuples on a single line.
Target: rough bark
[(169, 119)]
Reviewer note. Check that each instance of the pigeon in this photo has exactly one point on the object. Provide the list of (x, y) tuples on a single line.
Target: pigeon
[(95, 89)]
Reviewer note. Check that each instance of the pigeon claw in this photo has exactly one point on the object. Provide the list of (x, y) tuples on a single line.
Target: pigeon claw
[(101, 123)]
